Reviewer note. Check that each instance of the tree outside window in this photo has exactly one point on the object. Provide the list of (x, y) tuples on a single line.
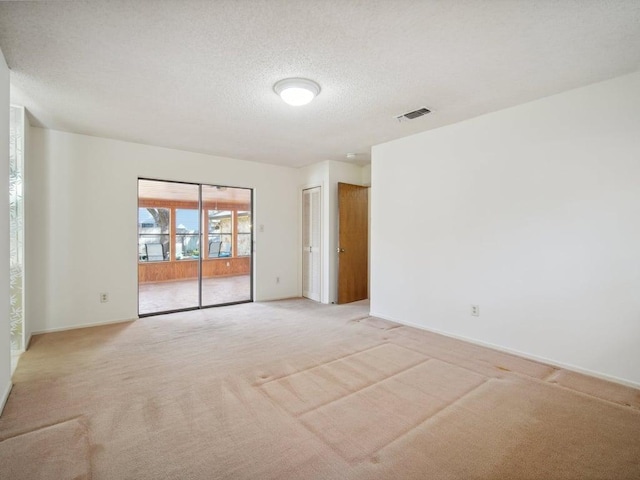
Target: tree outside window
[(153, 234), (244, 233)]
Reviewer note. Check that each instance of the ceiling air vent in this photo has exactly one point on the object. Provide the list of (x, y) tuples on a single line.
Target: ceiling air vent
[(411, 115)]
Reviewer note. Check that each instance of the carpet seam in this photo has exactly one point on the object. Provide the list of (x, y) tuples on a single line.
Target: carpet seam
[(359, 319), (43, 427), (359, 459), (547, 381), (549, 377), (422, 362), (434, 414), (319, 365), (434, 357), (585, 394)]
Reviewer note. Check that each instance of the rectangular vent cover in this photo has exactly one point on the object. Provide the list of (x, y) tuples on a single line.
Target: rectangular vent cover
[(415, 114)]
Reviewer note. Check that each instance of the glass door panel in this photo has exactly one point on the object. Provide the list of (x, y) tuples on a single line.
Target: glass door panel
[(195, 246), (168, 246), (187, 234), (227, 264)]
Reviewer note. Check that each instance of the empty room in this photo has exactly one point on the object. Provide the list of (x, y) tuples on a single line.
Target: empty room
[(279, 239)]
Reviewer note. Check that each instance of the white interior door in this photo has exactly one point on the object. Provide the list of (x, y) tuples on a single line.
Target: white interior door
[(311, 235)]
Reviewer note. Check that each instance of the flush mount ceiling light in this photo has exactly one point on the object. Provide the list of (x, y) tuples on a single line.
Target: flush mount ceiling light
[(297, 91)]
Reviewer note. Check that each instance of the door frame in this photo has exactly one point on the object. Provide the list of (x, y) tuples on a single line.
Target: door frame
[(201, 234), (322, 239), (341, 294)]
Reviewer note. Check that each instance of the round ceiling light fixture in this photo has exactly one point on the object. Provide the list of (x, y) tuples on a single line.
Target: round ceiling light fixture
[(297, 91)]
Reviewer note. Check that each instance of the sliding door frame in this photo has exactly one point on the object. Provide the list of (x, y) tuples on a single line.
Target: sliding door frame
[(201, 211)]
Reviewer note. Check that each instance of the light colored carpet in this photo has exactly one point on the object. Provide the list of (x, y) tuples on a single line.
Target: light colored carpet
[(57, 451), (174, 295), (295, 389)]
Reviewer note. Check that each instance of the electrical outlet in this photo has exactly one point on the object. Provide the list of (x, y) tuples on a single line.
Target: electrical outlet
[(104, 297), (475, 310)]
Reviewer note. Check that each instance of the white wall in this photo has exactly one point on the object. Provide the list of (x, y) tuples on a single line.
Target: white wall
[(5, 338), (532, 213), (327, 175), (82, 223), (366, 175)]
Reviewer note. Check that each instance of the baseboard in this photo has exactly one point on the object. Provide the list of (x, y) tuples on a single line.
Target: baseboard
[(275, 299), (5, 396), (528, 356), (15, 358), (84, 325)]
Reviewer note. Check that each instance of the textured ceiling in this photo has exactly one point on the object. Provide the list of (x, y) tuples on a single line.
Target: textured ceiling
[(189, 192), (198, 75)]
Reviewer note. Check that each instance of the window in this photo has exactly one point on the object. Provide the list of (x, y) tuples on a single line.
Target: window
[(187, 234), (244, 233), (220, 233), (153, 234), (16, 226)]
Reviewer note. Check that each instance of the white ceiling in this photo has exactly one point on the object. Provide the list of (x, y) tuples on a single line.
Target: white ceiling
[(198, 75), (189, 192)]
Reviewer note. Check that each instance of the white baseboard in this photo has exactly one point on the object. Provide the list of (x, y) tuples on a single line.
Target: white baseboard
[(84, 325), (5, 396), (15, 358), (528, 356), (275, 299)]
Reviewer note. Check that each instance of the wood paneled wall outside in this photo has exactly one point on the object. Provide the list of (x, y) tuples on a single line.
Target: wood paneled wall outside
[(149, 272), (175, 269), (160, 203)]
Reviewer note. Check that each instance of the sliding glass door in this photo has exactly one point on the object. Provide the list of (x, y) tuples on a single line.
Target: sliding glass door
[(226, 265), (194, 246)]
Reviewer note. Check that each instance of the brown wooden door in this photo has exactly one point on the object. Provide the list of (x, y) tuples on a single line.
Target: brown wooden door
[(353, 249)]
